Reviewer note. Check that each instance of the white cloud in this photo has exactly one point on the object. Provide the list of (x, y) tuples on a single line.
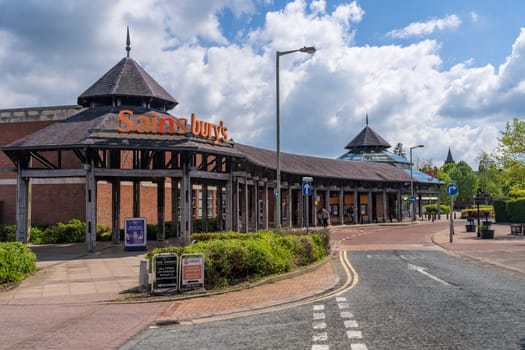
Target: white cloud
[(407, 94), (474, 16), (426, 28)]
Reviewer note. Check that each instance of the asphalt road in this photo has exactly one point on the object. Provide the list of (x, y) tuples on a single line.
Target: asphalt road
[(405, 299)]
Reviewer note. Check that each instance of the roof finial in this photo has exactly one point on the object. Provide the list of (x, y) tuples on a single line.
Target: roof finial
[(128, 43), (367, 119)]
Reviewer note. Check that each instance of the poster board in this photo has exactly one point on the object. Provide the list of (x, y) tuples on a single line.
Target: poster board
[(135, 233), (165, 270), (192, 271)]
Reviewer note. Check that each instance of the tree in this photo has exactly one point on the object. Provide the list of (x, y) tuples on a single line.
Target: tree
[(511, 150), (465, 179), (443, 177), (489, 175)]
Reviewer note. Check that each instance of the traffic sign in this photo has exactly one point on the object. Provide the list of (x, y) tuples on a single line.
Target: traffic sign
[(307, 189), (452, 189), (412, 199)]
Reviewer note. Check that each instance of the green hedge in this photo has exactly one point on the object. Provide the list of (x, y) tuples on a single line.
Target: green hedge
[(500, 210), (16, 262), (72, 232), (432, 209), (516, 210), (233, 257), (484, 210)]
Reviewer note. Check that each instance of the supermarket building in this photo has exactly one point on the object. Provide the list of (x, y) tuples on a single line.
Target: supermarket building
[(118, 153)]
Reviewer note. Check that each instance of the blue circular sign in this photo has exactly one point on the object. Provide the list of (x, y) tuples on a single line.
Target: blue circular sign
[(452, 189)]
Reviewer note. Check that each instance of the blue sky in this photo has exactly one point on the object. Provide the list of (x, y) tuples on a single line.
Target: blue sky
[(439, 73)]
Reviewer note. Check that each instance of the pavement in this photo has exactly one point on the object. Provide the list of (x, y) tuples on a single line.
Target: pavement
[(69, 277)]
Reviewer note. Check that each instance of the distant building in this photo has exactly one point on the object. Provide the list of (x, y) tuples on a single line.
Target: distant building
[(449, 159)]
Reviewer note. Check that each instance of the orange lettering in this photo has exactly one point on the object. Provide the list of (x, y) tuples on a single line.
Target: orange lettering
[(182, 126), (195, 125), (123, 119), (224, 132), (143, 124), (155, 124), (171, 127), (205, 129)]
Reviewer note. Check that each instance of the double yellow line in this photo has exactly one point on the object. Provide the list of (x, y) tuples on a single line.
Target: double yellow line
[(352, 279)]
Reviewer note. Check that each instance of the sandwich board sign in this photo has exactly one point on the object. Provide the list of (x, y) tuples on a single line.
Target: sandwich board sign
[(165, 271), (192, 271), (135, 234)]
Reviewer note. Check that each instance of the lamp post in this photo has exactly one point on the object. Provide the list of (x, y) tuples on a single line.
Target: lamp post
[(278, 54), (412, 198)]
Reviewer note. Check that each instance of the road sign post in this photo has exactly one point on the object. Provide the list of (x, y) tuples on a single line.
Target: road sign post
[(307, 191), (452, 190)]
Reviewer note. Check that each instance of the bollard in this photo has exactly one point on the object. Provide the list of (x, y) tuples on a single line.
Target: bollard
[(143, 275)]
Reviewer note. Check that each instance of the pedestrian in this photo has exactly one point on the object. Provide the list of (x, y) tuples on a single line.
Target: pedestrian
[(351, 213), (324, 216)]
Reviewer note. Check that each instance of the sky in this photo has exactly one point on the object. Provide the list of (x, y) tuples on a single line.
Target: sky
[(444, 74)]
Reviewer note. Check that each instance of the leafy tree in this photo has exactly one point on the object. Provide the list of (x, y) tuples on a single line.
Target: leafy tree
[(445, 178), (464, 177), (511, 150), (489, 175), (429, 169)]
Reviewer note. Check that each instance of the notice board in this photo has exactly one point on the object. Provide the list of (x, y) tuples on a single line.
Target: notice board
[(166, 270)]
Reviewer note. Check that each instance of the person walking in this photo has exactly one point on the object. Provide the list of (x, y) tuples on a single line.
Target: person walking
[(324, 216)]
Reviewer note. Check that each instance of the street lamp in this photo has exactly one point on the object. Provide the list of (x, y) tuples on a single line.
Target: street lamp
[(278, 54), (412, 198)]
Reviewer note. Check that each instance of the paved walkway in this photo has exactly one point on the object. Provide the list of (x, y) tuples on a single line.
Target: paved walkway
[(71, 278), (505, 252)]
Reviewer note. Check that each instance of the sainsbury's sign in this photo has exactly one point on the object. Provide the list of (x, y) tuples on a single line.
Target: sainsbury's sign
[(155, 124)]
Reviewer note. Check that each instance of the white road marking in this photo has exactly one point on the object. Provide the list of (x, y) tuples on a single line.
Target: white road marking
[(354, 334), (424, 272), (358, 346), (340, 299), (318, 307), (351, 324), (347, 314), (320, 337), (319, 316), (343, 305), (320, 347), (319, 325)]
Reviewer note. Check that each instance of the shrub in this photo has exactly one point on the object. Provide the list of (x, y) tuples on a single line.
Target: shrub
[(7, 233), (500, 210), (432, 208), (516, 210), (103, 233), (234, 257), (72, 232), (36, 235), (16, 262), (484, 211)]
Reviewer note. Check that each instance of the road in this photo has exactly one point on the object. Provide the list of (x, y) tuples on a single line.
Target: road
[(409, 295)]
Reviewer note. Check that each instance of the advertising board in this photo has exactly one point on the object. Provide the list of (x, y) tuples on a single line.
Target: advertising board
[(135, 233)]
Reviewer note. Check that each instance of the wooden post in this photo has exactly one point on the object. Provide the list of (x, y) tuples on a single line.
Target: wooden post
[(115, 210), (91, 204), (185, 206), (205, 207), (341, 206), (22, 205), (290, 206), (228, 225), (161, 205), (246, 206)]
